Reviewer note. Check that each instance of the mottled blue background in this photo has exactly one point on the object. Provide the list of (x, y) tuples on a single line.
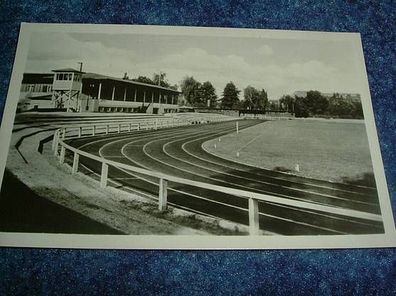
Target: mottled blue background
[(320, 272)]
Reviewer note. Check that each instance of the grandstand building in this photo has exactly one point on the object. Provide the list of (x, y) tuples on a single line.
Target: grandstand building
[(76, 91)]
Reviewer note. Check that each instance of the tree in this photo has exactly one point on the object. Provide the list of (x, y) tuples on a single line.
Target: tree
[(287, 103), (339, 107), (357, 110), (336, 106), (160, 79), (208, 94), (254, 99), (174, 87), (316, 102), (191, 91), (230, 97), (143, 79), (273, 106), (262, 100), (250, 95), (301, 109)]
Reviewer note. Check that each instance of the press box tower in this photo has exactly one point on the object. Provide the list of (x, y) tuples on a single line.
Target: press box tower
[(66, 89)]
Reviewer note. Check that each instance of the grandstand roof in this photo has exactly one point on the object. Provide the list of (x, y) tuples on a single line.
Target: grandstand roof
[(67, 70), (96, 76)]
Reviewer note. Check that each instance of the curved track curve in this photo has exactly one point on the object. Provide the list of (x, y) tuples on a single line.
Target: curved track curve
[(178, 152)]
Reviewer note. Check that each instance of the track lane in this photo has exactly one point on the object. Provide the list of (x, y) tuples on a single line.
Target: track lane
[(194, 149), (293, 214), (288, 227), (218, 208), (174, 151)]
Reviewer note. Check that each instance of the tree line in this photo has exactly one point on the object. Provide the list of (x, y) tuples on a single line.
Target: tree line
[(203, 95), (314, 104)]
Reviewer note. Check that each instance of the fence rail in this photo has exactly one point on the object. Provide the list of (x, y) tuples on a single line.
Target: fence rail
[(71, 132)]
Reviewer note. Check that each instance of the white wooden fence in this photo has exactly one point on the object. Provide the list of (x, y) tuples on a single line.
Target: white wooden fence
[(60, 147)]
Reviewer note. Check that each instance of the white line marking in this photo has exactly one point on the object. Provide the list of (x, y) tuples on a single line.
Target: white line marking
[(264, 175), (259, 181), (284, 206), (131, 143), (248, 143), (208, 199), (167, 164), (215, 179)]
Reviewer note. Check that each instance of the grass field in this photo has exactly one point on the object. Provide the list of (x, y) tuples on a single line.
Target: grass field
[(330, 150)]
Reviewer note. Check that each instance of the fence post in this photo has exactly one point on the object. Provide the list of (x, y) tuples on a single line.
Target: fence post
[(62, 155), (75, 162), (254, 226), (93, 130), (56, 144), (163, 194), (237, 127), (55, 141), (119, 128), (129, 127), (79, 131), (107, 129), (103, 175)]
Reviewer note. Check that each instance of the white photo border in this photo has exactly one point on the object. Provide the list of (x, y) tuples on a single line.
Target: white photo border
[(47, 240)]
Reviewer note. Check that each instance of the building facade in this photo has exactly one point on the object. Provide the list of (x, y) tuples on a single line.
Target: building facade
[(75, 91), (36, 92)]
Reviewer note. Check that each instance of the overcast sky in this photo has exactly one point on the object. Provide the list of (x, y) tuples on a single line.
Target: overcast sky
[(281, 66)]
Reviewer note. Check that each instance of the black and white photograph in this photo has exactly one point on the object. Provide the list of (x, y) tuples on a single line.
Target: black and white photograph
[(190, 138)]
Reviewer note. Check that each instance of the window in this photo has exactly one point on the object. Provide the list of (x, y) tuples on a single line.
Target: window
[(64, 76), (46, 88)]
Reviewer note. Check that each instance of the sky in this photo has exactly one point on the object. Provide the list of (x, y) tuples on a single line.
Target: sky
[(280, 66)]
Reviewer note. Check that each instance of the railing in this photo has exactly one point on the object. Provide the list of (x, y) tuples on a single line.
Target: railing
[(253, 198)]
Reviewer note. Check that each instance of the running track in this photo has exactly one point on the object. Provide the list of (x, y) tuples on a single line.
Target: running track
[(178, 152)]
